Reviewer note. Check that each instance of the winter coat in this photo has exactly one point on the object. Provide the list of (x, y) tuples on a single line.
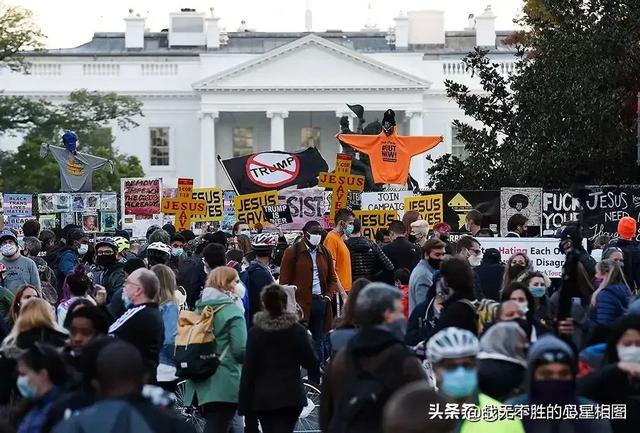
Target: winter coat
[(420, 282), (610, 385), (367, 259), (276, 349), (258, 278), (403, 254), (112, 278), (457, 313), (611, 303), (230, 331), (35, 418), (631, 254), (297, 269), (169, 314), (490, 276), (373, 347)]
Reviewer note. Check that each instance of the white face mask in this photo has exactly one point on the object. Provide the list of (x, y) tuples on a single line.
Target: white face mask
[(239, 290), (245, 232), (8, 250), (83, 249), (524, 307), (475, 260), (315, 239), (629, 354)]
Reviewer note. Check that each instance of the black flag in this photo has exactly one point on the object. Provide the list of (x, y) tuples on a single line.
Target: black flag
[(275, 170)]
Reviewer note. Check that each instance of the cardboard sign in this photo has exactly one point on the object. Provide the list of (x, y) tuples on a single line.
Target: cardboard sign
[(278, 215), (213, 197), (248, 207), (18, 204), (141, 197), (374, 220), (341, 182), (523, 201), (305, 205), (184, 207), (430, 207), (543, 252)]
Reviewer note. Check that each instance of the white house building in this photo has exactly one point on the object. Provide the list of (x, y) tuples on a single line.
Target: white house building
[(207, 92)]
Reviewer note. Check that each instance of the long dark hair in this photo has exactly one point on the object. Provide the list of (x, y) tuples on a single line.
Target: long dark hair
[(44, 357), (458, 276), (348, 321)]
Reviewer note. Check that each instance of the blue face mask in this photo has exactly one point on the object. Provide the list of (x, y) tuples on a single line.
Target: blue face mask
[(348, 230), (25, 389), (177, 252), (537, 292), (126, 300), (459, 382)]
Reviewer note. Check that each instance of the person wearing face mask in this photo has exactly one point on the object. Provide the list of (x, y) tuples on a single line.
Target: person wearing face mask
[(518, 266), (517, 226), (76, 243), (422, 275), (367, 258), (177, 250), (308, 265), (618, 381), (257, 275), (552, 368), (401, 252), (141, 325), (116, 306), (519, 293), (419, 231), (469, 249), (108, 272), (376, 352), (42, 375), (19, 270), (452, 353), (334, 243), (538, 284)]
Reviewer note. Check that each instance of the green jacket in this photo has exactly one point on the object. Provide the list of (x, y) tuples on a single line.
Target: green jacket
[(230, 331), (482, 426), (6, 299)]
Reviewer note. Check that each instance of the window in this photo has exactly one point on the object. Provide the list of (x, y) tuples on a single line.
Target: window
[(159, 146), (310, 137), (243, 143), (457, 146)]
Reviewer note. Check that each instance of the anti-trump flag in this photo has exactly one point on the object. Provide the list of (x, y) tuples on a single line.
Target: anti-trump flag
[(267, 171)]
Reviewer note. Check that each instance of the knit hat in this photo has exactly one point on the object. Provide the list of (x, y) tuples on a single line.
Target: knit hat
[(627, 228)]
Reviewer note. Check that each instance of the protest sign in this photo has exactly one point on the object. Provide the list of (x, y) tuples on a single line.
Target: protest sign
[(523, 201), (47, 222), (341, 181), (141, 197), (108, 221), (374, 220), (16, 222), (278, 215), (543, 252), (17, 204), (430, 207), (108, 201), (248, 207), (45, 204), (606, 206), (184, 206), (308, 204), (558, 207), (385, 200), (229, 218), (458, 203), (213, 198)]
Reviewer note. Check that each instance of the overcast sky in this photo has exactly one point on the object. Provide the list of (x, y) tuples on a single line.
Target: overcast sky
[(68, 23)]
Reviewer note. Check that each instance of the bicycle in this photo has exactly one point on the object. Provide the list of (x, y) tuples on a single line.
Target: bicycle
[(190, 413), (309, 421)]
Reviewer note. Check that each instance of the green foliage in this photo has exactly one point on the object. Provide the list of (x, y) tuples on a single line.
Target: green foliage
[(17, 32), (569, 108), (86, 113)]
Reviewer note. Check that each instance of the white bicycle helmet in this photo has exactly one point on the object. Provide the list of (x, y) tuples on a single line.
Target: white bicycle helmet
[(264, 240), (159, 246), (452, 343)]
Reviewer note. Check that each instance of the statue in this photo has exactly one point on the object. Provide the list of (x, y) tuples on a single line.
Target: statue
[(76, 168)]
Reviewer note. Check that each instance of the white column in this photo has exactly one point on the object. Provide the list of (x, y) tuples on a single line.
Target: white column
[(208, 153), (418, 162), (277, 128)]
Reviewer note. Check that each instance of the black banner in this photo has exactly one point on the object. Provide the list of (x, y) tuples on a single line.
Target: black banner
[(279, 214)]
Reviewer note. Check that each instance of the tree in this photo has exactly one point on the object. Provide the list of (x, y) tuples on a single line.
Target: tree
[(569, 108), (17, 32), (86, 113)]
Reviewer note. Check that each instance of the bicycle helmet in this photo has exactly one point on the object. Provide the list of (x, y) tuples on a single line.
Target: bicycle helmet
[(122, 243), (452, 343), (264, 240), (106, 242), (159, 246)]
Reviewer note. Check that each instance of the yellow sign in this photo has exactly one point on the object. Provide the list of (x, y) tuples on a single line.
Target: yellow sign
[(430, 207), (461, 206), (248, 207), (341, 181), (184, 207), (374, 220), (214, 204)]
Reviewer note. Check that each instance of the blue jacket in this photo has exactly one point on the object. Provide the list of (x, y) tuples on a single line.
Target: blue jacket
[(611, 303), (258, 276), (170, 320), (35, 418), (419, 283)]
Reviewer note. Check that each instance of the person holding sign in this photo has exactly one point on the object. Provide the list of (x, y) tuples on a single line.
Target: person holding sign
[(308, 265)]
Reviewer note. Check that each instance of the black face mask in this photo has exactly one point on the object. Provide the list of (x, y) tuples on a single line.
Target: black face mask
[(412, 239), (434, 263), (516, 270), (107, 260)]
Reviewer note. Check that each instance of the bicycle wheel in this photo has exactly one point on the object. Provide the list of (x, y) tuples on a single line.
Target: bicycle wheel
[(190, 413), (309, 420)]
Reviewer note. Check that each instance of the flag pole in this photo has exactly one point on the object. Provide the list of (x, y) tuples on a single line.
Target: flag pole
[(233, 185)]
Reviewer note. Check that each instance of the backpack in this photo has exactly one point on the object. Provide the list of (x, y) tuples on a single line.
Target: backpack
[(195, 346), (48, 283), (360, 406), (486, 311)]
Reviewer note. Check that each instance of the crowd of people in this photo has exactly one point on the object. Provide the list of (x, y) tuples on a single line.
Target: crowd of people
[(410, 332)]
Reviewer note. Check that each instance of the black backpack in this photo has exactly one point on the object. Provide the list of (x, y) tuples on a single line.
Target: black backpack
[(360, 406)]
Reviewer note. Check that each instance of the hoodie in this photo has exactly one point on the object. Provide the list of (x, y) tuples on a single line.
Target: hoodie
[(543, 345), (367, 259), (258, 277)]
